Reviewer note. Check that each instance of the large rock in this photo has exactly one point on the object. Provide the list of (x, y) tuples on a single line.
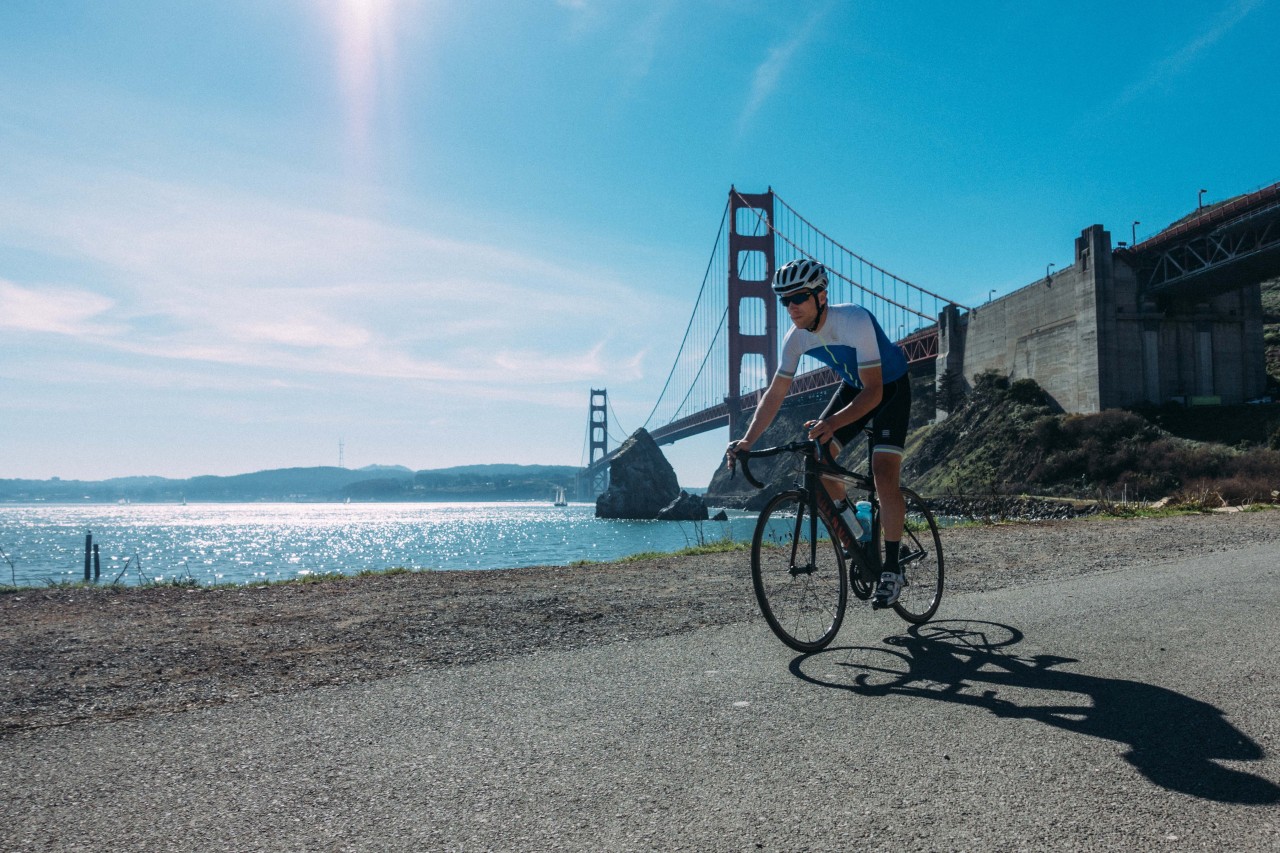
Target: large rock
[(641, 481), (685, 507)]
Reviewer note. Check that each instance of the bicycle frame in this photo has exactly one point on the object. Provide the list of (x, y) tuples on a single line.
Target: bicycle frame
[(819, 466)]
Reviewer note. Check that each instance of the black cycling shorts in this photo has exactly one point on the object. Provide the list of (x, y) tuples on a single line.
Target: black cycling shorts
[(888, 420)]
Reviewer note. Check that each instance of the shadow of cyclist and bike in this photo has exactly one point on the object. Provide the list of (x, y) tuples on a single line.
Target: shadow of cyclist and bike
[(1173, 740)]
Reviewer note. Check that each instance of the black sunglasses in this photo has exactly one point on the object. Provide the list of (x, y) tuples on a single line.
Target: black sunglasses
[(796, 298)]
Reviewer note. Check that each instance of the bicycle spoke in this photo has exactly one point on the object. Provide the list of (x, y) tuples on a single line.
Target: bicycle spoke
[(799, 583)]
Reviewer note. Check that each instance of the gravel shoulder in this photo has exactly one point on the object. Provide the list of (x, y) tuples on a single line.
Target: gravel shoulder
[(72, 655)]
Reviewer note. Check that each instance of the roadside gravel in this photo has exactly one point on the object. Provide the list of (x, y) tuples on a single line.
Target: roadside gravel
[(78, 655)]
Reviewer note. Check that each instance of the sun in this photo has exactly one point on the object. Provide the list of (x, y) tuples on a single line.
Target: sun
[(365, 60)]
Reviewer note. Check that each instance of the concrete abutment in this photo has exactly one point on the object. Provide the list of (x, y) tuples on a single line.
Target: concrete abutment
[(1094, 339)]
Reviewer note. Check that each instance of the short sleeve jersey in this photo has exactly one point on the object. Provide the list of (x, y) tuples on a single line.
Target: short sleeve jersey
[(850, 339)]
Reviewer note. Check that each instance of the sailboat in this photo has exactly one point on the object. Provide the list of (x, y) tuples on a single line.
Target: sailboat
[(560, 501)]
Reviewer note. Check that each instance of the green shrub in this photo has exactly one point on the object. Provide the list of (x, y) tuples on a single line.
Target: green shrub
[(1028, 392)]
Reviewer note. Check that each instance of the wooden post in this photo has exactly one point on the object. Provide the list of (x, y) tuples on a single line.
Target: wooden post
[(97, 566), (88, 549)]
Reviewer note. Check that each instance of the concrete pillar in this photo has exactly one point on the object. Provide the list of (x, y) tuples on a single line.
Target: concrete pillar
[(1151, 363), (948, 368), (1204, 359)]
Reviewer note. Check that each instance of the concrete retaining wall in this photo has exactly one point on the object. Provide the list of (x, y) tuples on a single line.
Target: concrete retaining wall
[(1093, 341)]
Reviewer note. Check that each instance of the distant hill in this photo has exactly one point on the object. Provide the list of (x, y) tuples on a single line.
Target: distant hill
[(322, 483)]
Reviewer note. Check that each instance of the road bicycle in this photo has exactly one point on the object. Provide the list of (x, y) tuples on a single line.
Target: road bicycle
[(801, 545)]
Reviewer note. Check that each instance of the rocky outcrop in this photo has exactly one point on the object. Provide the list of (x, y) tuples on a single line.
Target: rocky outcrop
[(641, 481), (685, 507)]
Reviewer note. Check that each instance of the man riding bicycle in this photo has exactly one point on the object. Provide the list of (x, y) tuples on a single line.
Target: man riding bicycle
[(874, 388)]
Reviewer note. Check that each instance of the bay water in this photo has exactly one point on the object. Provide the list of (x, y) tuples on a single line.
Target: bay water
[(218, 543)]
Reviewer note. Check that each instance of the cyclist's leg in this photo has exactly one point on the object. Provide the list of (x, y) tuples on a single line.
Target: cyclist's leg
[(886, 468), (841, 398), (889, 427)]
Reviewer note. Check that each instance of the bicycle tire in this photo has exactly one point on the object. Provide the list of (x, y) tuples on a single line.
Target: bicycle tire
[(804, 604), (921, 562)]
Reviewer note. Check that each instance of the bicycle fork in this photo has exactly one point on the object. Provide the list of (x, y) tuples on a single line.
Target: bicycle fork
[(796, 538)]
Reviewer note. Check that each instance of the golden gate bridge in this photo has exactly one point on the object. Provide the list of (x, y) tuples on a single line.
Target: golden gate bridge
[(731, 343)]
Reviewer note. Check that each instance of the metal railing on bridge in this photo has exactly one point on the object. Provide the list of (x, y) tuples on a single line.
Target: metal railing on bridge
[(1192, 255)]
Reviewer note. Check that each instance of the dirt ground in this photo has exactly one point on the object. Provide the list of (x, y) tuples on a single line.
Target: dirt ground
[(70, 655)]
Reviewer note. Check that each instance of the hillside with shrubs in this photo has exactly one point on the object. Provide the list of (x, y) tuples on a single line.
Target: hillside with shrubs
[(1007, 438)]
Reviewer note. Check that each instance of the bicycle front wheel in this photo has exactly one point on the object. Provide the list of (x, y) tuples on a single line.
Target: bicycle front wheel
[(799, 578), (920, 558)]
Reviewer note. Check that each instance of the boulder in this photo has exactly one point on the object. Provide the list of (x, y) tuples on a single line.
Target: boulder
[(720, 516), (641, 481), (685, 507)]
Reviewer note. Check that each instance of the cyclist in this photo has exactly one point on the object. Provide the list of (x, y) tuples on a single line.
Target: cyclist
[(874, 388)]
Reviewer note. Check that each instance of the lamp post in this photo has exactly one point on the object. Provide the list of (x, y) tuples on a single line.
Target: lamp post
[(990, 293), (1048, 275), (1135, 225), (1200, 199)]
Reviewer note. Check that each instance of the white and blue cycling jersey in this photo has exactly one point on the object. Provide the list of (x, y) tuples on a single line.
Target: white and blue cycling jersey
[(850, 339)]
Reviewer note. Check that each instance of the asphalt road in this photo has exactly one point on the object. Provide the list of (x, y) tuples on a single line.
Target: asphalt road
[(1132, 710)]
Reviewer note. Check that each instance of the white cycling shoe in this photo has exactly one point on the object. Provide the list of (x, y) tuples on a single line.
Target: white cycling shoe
[(888, 590)]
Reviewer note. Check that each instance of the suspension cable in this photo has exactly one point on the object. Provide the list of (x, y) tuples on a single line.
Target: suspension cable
[(705, 278), (616, 420), (861, 259), (701, 366)]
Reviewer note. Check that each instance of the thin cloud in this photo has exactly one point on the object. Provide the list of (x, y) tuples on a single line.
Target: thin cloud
[(216, 277), (1170, 67), (63, 311), (769, 73), (641, 48)]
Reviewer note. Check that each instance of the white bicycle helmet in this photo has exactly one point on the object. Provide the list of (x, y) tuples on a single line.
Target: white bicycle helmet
[(800, 274)]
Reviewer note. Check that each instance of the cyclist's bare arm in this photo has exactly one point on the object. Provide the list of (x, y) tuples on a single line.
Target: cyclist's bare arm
[(765, 412)]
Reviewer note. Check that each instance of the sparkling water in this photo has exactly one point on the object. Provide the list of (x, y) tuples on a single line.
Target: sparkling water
[(240, 543)]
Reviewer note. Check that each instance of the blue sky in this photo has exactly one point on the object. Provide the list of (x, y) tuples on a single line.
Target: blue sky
[(233, 232)]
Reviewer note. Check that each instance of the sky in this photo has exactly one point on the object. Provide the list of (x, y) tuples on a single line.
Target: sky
[(235, 234)]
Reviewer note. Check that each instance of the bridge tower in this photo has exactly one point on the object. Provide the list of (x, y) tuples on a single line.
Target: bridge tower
[(751, 266), (598, 423)]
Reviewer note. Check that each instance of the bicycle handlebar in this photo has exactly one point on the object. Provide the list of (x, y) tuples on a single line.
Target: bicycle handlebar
[(744, 456), (820, 452)]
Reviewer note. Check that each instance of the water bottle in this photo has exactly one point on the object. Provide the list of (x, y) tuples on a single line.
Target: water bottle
[(851, 519), (859, 520), (864, 521)]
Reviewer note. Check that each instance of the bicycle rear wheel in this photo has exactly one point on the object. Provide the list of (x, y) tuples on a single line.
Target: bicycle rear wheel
[(799, 582), (920, 559)]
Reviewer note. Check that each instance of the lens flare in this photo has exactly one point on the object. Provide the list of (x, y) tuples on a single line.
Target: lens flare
[(366, 57)]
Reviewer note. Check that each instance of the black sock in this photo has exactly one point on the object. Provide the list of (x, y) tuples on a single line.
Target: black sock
[(891, 556)]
